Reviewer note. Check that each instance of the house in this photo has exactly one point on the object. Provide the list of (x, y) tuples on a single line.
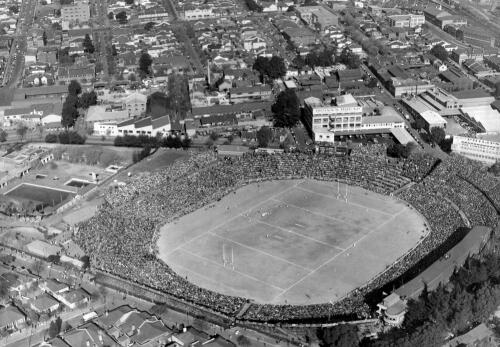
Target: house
[(54, 287), (74, 298), (11, 318), (135, 104), (130, 326), (79, 72), (45, 304), (42, 249), (243, 94), (392, 309), (102, 113), (51, 118), (89, 334), (218, 341), (190, 337)]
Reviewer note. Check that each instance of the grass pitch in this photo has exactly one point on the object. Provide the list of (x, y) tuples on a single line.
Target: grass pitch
[(294, 241)]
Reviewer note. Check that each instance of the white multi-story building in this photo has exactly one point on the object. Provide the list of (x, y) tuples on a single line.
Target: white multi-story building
[(406, 20), (77, 12), (479, 149), (346, 118), (198, 13)]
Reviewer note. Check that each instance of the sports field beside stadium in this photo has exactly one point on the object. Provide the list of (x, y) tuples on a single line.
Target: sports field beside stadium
[(291, 241)]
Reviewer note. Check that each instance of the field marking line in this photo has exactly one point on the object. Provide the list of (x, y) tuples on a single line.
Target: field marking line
[(241, 214), (322, 215), (239, 272), (262, 252), (296, 233), (337, 255), (349, 203)]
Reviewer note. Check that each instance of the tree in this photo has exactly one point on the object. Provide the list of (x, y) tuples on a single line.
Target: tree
[(437, 135), (264, 136), (419, 124), (273, 67), (242, 340), (277, 67), (37, 267), (88, 46), (21, 131), (343, 335), (286, 109), (88, 99), (86, 261), (14, 9), (149, 25), (129, 2), (111, 16), (3, 135), (4, 290), (74, 88), (69, 115), (121, 17), (54, 258), (51, 138), (145, 62), (350, 59), (55, 327), (439, 52)]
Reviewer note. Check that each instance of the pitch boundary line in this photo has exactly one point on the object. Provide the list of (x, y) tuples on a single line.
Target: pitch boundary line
[(232, 218), (259, 251), (296, 233), (239, 272), (337, 255), (204, 277)]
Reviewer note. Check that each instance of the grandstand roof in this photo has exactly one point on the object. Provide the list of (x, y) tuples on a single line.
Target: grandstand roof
[(441, 270), (402, 135), (487, 116), (432, 117)]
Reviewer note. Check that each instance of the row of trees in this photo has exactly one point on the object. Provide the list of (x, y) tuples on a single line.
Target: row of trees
[(469, 299), (152, 142), (66, 137)]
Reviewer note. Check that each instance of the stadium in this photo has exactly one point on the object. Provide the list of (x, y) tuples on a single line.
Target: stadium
[(155, 233)]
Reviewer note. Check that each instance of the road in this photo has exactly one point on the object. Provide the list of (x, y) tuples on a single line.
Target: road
[(102, 35), (15, 62)]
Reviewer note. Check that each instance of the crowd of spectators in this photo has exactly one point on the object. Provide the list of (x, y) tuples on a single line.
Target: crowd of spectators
[(121, 238)]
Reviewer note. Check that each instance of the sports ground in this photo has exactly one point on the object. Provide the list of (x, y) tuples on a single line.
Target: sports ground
[(291, 241)]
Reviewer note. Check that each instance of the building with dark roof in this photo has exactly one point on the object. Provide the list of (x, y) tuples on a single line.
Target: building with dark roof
[(475, 36)]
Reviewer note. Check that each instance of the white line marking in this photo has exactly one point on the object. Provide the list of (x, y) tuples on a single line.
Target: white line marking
[(294, 232), (259, 251), (350, 201), (233, 218), (337, 255), (231, 270)]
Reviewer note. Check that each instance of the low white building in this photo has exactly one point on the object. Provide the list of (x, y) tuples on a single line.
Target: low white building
[(145, 126)]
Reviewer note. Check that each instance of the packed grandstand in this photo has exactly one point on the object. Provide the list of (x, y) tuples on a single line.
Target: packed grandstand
[(121, 238)]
